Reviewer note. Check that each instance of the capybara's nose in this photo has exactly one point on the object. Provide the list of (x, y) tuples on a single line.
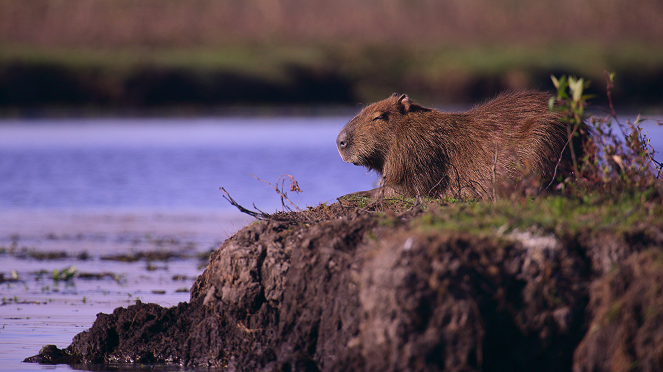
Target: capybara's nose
[(342, 140)]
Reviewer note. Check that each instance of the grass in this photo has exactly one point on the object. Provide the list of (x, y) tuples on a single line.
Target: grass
[(430, 74), (562, 215), (266, 59), (267, 63), (556, 214)]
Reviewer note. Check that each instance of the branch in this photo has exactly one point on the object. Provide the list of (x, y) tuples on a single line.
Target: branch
[(561, 155), (294, 186), (260, 215), (495, 175)]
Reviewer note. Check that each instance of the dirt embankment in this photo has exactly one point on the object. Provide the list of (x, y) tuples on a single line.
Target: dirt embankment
[(345, 288)]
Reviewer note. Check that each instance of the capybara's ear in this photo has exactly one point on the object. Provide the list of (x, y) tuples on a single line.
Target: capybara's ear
[(407, 105), (404, 102)]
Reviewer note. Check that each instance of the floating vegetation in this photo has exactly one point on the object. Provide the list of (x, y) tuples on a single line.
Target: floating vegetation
[(152, 267), (99, 276), (83, 256), (149, 255), (121, 257), (25, 253), (65, 274), (15, 300), (13, 277)]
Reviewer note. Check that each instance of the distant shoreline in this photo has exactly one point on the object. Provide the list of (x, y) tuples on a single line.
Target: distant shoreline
[(277, 79)]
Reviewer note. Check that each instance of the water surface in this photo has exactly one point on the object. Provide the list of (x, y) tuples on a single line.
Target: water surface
[(91, 189)]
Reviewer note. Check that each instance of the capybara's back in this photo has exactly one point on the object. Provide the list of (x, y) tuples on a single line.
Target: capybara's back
[(424, 152)]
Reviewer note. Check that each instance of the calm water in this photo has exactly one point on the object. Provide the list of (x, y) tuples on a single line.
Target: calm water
[(107, 187), (170, 164)]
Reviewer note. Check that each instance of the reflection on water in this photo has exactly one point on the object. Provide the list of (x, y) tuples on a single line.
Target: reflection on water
[(86, 190)]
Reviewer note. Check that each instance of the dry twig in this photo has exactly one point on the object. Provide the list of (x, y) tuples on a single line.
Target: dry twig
[(259, 215), (294, 186), (495, 175)]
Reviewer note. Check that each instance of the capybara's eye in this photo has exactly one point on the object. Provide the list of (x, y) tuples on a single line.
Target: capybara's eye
[(380, 117)]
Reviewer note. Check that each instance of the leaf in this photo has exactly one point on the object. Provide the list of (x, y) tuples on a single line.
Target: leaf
[(638, 120), (576, 87), (555, 81), (618, 160)]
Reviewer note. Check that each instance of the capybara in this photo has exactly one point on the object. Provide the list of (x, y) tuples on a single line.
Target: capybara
[(480, 153)]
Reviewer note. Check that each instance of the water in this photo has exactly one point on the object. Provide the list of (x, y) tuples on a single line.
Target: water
[(170, 164), (108, 187), (90, 189)]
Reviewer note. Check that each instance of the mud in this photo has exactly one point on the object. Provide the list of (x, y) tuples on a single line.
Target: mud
[(341, 287)]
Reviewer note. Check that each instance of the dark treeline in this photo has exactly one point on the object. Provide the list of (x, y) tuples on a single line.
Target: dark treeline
[(56, 85), (44, 85)]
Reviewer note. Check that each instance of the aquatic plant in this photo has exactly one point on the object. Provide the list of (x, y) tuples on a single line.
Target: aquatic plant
[(66, 274)]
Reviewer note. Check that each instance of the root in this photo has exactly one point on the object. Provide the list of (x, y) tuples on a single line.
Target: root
[(258, 214)]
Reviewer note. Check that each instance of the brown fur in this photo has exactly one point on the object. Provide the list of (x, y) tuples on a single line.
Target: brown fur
[(424, 152)]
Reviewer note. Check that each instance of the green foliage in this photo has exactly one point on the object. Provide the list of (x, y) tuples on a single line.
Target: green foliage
[(571, 103), (359, 201), (556, 214), (66, 274), (616, 157)]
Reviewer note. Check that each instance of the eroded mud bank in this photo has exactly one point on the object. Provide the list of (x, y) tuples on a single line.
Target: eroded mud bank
[(345, 288)]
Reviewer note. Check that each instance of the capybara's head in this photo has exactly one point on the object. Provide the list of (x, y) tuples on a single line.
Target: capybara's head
[(366, 139)]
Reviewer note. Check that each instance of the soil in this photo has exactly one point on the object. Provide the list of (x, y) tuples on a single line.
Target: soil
[(344, 287)]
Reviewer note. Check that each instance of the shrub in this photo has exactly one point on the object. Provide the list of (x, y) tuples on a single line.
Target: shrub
[(617, 157)]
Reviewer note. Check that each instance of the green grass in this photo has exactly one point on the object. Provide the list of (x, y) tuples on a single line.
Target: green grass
[(585, 58), (263, 62), (560, 215), (376, 71)]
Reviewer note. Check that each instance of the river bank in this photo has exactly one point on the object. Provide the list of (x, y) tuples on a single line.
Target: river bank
[(522, 285), (199, 80)]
